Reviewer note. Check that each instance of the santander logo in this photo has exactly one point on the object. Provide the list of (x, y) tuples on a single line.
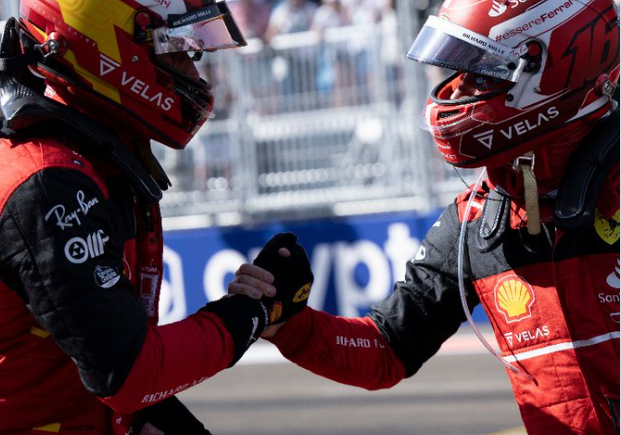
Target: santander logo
[(613, 279), (498, 8)]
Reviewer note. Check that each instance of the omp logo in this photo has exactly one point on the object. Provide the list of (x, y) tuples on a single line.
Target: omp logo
[(107, 65), (486, 138), (498, 8), (514, 298), (78, 250)]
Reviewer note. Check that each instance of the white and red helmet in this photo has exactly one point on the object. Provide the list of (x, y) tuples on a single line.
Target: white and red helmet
[(538, 67), (119, 59)]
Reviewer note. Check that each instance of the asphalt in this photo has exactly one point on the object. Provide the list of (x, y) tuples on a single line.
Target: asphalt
[(461, 391)]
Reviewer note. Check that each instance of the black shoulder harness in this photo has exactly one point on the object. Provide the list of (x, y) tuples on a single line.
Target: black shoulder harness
[(587, 170), (35, 115), (577, 196)]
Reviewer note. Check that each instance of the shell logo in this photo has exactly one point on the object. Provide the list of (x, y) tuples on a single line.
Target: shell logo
[(514, 298)]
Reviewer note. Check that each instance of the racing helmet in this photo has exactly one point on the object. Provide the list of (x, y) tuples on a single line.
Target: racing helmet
[(525, 71), (130, 61)]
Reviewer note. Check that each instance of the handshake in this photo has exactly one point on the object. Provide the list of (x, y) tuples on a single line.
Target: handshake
[(280, 277), (265, 294)]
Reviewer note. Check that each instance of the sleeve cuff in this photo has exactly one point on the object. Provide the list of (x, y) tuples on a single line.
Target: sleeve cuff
[(293, 336)]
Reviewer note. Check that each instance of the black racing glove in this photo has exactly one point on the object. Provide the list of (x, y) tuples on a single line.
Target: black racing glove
[(293, 277), (245, 319)]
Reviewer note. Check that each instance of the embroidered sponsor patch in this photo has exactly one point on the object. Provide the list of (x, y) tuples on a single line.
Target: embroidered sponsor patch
[(613, 280), (514, 298), (63, 218), (106, 277), (78, 249), (148, 290), (303, 293), (607, 229), (276, 312)]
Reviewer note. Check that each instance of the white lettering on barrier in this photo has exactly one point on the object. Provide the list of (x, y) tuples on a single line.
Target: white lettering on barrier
[(350, 295), (400, 248), (172, 295), (219, 265), (340, 258), (321, 265)]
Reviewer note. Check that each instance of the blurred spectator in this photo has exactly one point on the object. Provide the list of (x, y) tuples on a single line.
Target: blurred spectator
[(252, 16), (295, 69), (290, 16), (391, 53), (330, 14), (332, 71), (365, 14)]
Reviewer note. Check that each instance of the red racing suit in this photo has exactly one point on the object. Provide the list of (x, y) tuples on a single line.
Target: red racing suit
[(80, 274), (553, 301)]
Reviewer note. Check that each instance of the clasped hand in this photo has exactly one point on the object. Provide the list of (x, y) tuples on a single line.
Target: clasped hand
[(280, 277)]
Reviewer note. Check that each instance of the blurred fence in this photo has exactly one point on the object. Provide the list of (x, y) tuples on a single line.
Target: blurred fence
[(312, 126)]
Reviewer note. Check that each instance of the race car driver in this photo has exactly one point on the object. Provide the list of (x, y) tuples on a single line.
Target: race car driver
[(84, 88), (535, 242)]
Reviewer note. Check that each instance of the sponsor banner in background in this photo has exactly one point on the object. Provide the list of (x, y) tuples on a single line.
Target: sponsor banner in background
[(355, 260)]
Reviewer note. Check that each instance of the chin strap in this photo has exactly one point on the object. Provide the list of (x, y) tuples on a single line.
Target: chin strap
[(526, 165)]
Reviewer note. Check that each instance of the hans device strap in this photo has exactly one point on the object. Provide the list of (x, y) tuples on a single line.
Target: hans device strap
[(587, 170)]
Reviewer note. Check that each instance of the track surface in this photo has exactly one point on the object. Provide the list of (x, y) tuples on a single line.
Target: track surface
[(462, 390)]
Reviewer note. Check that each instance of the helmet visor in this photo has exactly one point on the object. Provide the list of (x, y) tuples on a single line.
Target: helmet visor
[(445, 44), (208, 29)]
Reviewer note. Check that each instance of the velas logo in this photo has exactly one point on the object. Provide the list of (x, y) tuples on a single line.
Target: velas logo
[(514, 298), (132, 83), (302, 293), (107, 65), (486, 138), (513, 131)]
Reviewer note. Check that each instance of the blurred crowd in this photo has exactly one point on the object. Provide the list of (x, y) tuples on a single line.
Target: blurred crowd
[(314, 55), (265, 19)]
